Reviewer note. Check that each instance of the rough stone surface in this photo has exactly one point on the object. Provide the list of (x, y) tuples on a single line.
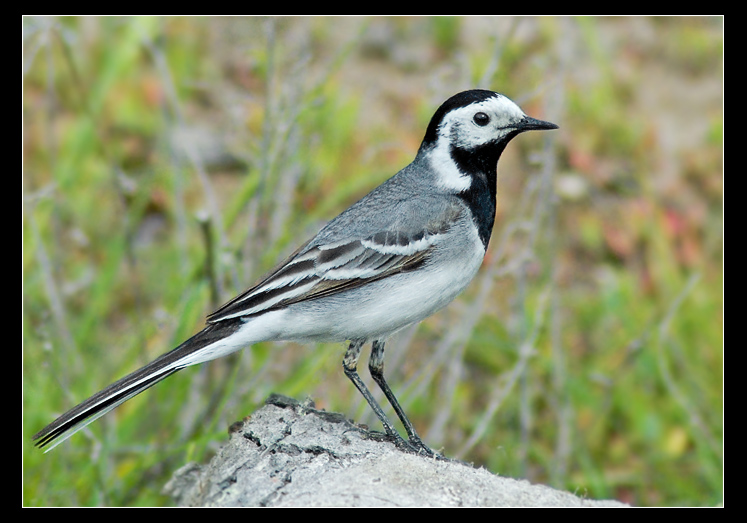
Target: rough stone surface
[(289, 454)]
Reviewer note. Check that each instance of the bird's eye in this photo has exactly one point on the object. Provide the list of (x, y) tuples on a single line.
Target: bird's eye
[(481, 119)]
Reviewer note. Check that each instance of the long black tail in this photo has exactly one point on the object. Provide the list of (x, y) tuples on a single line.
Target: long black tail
[(133, 384)]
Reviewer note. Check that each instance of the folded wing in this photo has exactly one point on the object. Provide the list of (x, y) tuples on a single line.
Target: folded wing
[(316, 271)]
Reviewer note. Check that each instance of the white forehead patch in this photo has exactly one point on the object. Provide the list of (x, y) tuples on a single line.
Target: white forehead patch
[(497, 106)]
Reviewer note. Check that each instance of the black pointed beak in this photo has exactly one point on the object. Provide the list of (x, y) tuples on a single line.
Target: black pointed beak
[(533, 124)]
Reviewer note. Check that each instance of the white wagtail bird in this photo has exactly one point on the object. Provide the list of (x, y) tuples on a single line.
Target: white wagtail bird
[(395, 257)]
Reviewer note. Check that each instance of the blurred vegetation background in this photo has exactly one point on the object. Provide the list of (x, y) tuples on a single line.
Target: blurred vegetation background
[(168, 162)]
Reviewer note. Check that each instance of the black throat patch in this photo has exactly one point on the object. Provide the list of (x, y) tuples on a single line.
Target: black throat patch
[(481, 165)]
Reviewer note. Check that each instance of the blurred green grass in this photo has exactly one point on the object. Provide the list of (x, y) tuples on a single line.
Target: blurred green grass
[(170, 161)]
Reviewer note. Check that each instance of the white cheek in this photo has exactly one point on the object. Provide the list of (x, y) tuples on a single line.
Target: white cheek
[(471, 135)]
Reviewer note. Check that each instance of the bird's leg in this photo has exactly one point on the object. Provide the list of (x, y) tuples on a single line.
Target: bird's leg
[(376, 368), (350, 366)]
